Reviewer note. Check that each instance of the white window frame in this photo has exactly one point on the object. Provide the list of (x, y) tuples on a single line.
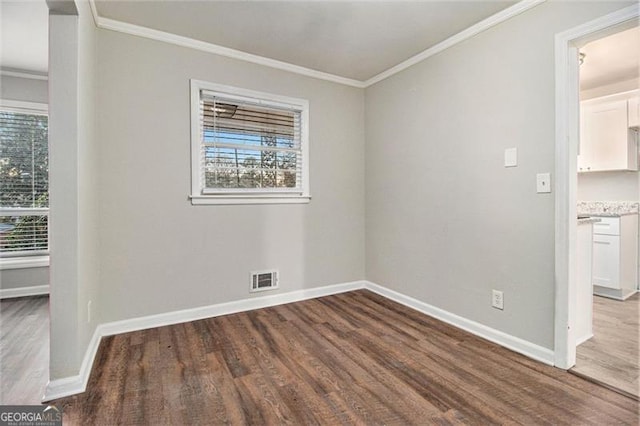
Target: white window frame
[(246, 196), (35, 259)]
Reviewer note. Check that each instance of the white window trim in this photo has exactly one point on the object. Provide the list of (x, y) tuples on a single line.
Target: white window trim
[(245, 197), (37, 259), (24, 262), (24, 107)]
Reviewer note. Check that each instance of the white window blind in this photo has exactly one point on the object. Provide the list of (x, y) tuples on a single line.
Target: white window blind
[(24, 183), (249, 146)]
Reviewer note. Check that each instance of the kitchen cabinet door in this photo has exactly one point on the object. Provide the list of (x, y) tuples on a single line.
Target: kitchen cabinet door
[(606, 261), (605, 137)]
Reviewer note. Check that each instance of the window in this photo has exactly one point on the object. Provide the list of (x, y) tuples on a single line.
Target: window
[(247, 147), (24, 182)]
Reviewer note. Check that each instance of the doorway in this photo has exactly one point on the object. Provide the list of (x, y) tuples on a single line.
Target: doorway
[(568, 58), (607, 350)]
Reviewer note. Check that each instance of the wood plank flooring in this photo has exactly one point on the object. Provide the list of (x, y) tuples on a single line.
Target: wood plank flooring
[(611, 356), (24, 349), (354, 358)]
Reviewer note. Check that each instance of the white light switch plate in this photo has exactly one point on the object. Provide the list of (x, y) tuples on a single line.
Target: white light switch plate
[(543, 182), (511, 157)]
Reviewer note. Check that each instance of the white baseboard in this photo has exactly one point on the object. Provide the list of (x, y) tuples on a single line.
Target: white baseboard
[(516, 344), (583, 339), (77, 384), (67, 386), (612, 293), (35, 290), (210, 311)]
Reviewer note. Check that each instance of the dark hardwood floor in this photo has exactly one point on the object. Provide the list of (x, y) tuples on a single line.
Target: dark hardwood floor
[(355, 358), (612, 355), (24, 349)]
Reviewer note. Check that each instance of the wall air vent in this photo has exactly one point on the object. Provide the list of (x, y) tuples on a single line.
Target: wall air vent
[(264, 280)]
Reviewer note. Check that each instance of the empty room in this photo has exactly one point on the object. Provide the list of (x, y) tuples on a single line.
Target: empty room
[(319, 212)]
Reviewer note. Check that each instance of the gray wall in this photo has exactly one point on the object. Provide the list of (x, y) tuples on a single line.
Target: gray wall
[(87, 179), (23, 277), (26, 90), (445, 221), (75, 267), (158, 252)]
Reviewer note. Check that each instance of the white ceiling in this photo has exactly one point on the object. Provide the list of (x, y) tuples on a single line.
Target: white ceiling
[(24, 35), (611, 59), (352, 39)]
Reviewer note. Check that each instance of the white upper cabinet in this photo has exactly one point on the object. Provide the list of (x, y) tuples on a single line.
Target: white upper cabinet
[(607, 139)]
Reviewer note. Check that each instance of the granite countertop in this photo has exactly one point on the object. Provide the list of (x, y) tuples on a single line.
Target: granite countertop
[(585, 220), (607, 208)]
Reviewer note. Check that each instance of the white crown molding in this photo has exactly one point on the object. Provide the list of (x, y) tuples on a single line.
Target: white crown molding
[(140, 31), (32, 75), (36, 290), (123, 27), (463, 35), (94, 11)]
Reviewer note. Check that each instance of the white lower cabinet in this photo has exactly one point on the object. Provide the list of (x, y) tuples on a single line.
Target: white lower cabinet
[(584, 289), (615, 256), (606, 265)]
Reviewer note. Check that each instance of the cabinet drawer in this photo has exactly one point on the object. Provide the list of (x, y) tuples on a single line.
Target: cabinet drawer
[(607, 226)]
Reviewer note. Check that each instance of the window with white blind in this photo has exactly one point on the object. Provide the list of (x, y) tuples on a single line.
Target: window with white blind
[(247, 147), (24, 181)]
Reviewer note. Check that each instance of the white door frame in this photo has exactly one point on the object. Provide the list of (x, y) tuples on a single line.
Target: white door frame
[(567, 140)]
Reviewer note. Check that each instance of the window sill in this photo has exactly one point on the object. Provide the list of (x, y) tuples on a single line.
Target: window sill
[(198, 200), (24, 262)]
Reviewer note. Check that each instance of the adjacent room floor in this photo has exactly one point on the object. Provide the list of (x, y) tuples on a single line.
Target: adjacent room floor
[(24, 349), (611, 356), (353, 358)]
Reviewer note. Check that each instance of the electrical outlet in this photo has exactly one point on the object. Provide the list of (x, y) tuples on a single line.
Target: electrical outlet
[(497, 299), (89, 311)]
